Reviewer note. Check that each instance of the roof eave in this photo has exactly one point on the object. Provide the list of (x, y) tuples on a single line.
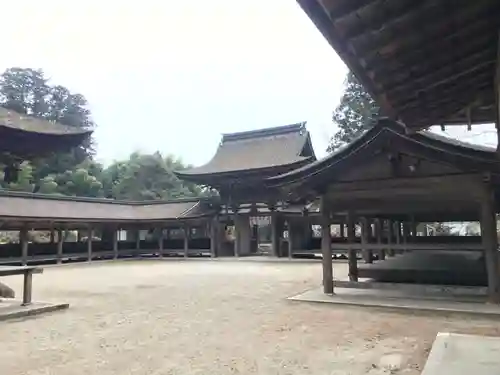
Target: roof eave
[(319, 16)]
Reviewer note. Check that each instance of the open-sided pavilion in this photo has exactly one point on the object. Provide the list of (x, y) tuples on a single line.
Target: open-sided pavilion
[(389, 176)]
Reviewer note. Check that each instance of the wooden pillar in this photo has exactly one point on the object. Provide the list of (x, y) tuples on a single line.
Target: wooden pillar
[(342, 229), (413, 228), (290, 239), (352, 253), (214, 237), (23, 240), (187, 233), (326, 247), (378, 235), (52, 235), (276, 233), (161, 237), (138, 242), (89, 244), (397, 231), (115, 242), (406, 235), (60, 243), (490, 244), (390, 238), (366, 239)]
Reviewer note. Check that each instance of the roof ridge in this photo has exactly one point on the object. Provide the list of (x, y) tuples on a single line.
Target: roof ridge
[(265, 132)]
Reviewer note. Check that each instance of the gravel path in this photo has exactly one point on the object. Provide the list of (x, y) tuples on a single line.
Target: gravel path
[(203, 317)]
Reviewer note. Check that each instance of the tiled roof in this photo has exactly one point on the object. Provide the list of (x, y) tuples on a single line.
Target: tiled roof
[(258, 149), (39, 206), (14, 120), (486, 156)]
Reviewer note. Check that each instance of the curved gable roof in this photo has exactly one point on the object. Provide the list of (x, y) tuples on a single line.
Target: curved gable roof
[(258, 149), (393, 136), (427, 62)]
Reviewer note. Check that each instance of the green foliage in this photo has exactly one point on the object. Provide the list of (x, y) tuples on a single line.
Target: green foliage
[(355, 113), (146, 177), (28, 91), (141, 177)]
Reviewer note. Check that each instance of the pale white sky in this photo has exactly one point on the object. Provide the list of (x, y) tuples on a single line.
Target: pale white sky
[(174, 75)]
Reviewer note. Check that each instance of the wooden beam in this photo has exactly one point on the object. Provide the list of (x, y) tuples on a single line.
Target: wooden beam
[(351, 255), (490, 244), (60, 244), (90, 234), (326, 249), (187, 234), (160, 242), (290, 239), (390, 237), (366, 237), (137, 242), (115, 242), (214, 237), (23, 240), (378, 235), (497, 93)]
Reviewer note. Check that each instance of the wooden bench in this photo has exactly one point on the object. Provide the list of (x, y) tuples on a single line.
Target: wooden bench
[(28, 272)]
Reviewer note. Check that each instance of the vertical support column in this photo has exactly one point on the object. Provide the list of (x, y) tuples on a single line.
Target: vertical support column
[(243, 235), (342, 229), (160, 242), (52, 235), (138, 243), (23, 240), (276, 233), (89, 244), (326, 247), (291, 235), (115, 242), (365, 240), (397, 231), (490, 244), (352, 253), (214, 237), (390, 238), (187, 233), (60, 244), (406, 235), (378, 235)]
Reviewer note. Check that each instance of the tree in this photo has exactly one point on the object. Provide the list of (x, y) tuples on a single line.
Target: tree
[(355, 113), (24, 180), (27, 91), (147, 177)]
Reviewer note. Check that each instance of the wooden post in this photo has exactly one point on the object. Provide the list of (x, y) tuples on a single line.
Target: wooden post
[(60, 242), (23, 240), (397, 229), (275, 234), (290, 240), (490, 243), (351, 254), (27, 287), (214, 237), (115, 243), (390, 236), (161, 237), (89, 244), (342, 230), (326, 247), (406, 235), (365, 240), (52, 235), (138, 242), (186, 240), (378, 235)]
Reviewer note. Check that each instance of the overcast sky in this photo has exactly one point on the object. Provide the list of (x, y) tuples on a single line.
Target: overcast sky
[(174, 75)]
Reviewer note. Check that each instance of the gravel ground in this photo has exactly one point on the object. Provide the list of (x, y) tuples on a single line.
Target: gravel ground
[(204, 317)]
